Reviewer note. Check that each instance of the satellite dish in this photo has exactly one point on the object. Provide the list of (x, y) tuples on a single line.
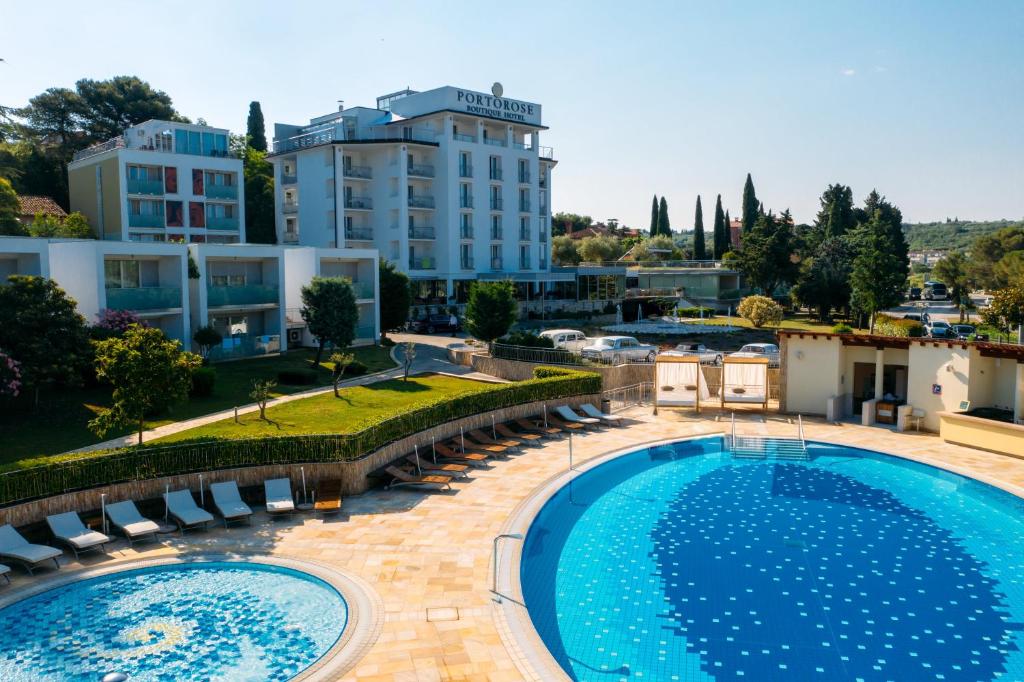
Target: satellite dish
[(497, 90)]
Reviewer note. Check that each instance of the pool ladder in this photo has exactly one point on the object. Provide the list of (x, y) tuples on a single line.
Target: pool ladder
[(769, 447)]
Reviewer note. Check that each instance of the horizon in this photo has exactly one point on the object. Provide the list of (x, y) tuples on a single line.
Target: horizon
[(797, 107)]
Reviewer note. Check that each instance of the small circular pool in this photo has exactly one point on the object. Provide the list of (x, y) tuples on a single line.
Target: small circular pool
[(184, 621), (685, 562)]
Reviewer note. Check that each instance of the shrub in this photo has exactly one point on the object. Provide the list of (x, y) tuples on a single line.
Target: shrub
[(115, 322), (529, 339), (842, 328), (203, 379), (387, 342), (697, 311), (760, 310), (356, 368), (886, 325), (298, 377), (548, 372)]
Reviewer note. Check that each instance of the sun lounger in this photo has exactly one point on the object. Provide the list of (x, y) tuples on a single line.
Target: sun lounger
[(126, 518), (402, 477), (14, 546), (184, 510), (4, 570), (448, 468), (228, 502), (591, 411), (69, 529), (565, 426), (566, 413), (481, 437), (485, 447), (504, 430), (278, 492), (442, 451), (538, 427), (328, 498)]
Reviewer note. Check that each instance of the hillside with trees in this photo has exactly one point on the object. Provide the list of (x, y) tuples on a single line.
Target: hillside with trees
[(951, 234)]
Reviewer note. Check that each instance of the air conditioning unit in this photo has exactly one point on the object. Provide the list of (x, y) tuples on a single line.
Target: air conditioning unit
[(294, 337)]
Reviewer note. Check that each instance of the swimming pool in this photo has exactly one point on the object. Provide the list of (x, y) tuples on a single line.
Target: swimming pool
[(683, 562), (189, 621)]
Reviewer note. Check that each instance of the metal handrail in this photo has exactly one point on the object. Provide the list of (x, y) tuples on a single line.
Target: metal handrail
[(800, 427)]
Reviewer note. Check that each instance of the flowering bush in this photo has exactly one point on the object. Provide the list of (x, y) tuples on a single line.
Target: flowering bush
[(117, 321), (760, 310), (10, 376)]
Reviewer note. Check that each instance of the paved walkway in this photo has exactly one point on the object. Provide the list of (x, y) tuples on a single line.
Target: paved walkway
[(428, 555), (431, 357)]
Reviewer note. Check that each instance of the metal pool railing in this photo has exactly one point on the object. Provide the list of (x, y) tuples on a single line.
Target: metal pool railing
[(628, 396)]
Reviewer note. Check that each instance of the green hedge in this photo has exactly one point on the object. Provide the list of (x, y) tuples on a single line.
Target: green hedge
[(154, 461), (886, 325)]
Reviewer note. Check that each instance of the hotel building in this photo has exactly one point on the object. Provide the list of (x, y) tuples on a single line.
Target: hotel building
[(161, 181), (450, 184)]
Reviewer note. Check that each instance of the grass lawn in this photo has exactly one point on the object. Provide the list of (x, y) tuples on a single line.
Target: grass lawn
[(328, 414), (61, 421)]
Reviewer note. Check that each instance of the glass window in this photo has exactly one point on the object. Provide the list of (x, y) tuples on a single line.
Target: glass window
[(194, 143), (181, 141)]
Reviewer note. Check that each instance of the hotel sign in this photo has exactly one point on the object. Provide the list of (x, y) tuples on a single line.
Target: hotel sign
[(504, 108)]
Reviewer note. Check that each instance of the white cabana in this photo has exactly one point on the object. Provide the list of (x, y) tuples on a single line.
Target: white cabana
[(679, 382), (745, 380)]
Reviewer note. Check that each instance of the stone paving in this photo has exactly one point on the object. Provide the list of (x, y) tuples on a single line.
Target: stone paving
[(428, 555)]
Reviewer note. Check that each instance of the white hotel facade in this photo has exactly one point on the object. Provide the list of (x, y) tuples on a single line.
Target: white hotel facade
[(450, 184)]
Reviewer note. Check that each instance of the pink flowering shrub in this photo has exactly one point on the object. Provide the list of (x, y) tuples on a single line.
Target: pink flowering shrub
[(10, 376), (118, 321)]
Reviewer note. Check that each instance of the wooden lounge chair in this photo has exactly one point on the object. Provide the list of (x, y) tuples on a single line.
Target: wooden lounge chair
[(555, 421), (442, 451), (14, 546), (504, 430), (481, 437), (328, 498), (431, 467), (537, 426), (484, 447), (402, 477), (69, 529)]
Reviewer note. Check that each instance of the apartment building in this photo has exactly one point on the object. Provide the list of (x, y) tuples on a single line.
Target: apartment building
[(450, 184), (23, 256), (161, 181)]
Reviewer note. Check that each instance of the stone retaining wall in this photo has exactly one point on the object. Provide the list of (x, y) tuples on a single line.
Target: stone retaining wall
[(611, 376)]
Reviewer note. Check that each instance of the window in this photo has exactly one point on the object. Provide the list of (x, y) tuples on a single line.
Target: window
[(122, 274), (542, 256), (495, 197), (465, 195), (496, 263), (495, 167), (495, 227), (524, 170), (524, 257), (175, 214), (524, 200), (465, 165), (466, 256), (524, 229), (197, 182), (220, 210), (171, 180), (196, 214), (466, 225)]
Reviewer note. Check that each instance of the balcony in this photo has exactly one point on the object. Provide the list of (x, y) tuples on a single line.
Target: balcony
[(149, 187), (497, 264), (421, 201), (363, 290), (466, 171), (496, 203), (543, 183), (524, 206), (421, 171), (247, 294), (496, 234), (290, 207), (425, 263), (144, 298), (359, 234), (543, 236), (466, 263), (358, 172), (466, 231), (462, 137), (145, 220), (547, 153), (542, 210), (465, 201), (221, 222), (421, 232), (495, 141), (289, 179), (524, 264), (291, 238), (495, 174), (524, 178), (524, 235), (244, 346), (359, 203), (222, 191), (522, 145)]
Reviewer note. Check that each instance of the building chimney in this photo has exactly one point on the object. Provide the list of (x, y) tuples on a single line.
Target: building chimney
[(341, 105)]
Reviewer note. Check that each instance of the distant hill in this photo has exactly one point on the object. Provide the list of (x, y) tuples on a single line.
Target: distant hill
[(953, 235)]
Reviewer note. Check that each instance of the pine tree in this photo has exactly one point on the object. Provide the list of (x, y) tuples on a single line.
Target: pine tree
[(255, 128), (721, 239), (699, 249), (654, 215), (750, 205), (664, 226)]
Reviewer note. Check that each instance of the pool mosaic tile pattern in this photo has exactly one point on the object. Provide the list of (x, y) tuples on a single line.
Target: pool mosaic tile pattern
[(201, 621), (682, 562)]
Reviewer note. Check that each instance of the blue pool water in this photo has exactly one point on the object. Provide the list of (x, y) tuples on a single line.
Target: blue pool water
[(682, 562), (199, 621)]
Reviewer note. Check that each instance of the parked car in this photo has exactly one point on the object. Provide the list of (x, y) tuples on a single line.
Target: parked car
[(914, 294), (913, 316), (435, 323), (963, 331), (618, 349), (935, 291), (707, 356), (758, 350), (569, 339), (939, 329)]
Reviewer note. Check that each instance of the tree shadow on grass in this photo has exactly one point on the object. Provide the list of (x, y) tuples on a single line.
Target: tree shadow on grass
[(399, 386)]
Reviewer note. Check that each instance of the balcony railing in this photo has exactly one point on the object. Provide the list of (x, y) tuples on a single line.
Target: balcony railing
[(543, 265), (291, 237), (495, 141), (421, 201), (221, 191), (495, 174), (358, 172), (543, 182), (247, 294), (145, 220), (466, 201), (119, 143), (462, 137), (144, 298), (524, 264), (359, 203), (542, 209), (543, 236), (425, 263), (359, 234), (496, 234), (243, 346), (337, 132), (466, 171), (421, 171), (221, 222), (496, 203), (547, 153), (524, 206), (497, 264), (524, 235), (467, 263), (524, 178), (421, 232), (150, 187), (466, 231), (113, 143), (290, 207), (521, 145), (363, 290), (289, 179)]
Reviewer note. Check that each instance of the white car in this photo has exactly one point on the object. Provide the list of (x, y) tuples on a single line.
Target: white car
[(758, 350), (619, 349), (569, 339), (706, 355)]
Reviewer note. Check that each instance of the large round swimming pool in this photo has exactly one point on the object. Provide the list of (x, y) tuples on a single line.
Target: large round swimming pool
[(187, 621), (684, 562)]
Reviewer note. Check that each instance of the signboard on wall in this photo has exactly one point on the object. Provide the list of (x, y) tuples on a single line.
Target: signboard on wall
[(936, 389)]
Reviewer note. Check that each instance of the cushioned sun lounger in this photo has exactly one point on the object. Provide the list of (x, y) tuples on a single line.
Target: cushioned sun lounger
[(537, 426), (69, 529), (442, 451), (328, 498), (591, 411), (482, 437), (126, 518), (229, 502), (4, 570), (402, 477), (184, 510), (566, 413), (565, 426), (278, 492), (509, 433), (431, 467), (14, 546)]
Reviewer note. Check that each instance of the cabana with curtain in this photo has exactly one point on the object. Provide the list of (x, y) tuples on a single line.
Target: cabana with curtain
[(745, 380), (679, 382)]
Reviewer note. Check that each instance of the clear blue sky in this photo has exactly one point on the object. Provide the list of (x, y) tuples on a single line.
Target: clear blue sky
[(923, 100)]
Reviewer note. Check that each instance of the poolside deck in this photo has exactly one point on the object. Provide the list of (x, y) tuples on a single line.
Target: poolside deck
[(428, 555)]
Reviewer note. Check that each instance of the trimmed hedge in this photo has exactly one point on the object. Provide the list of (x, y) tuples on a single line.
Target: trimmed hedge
[(886, 325), (154, 461)]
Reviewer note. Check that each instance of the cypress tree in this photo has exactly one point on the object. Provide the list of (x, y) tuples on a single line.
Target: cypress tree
[(699, 249), (664, 226), (728, 232), (255, 129), (721, 233), (654, 215), (750, 205)]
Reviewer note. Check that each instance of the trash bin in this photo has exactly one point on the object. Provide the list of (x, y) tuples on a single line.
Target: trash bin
[(606, 406)]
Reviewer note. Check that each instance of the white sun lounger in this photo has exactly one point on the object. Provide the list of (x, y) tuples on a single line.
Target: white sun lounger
[(591, 411), (566, 413), (14, 546), (4, 570), (184, 510), (229, 502), (279, 496), (69, 529), (126, 518)]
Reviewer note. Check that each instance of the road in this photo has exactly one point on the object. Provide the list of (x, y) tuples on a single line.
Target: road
[(939, 310)]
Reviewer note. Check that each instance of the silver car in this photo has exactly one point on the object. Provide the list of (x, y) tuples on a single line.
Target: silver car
[(706, 355), (759, 350), (619, 349)]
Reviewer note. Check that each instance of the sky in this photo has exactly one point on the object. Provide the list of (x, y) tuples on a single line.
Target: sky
[(922, 100)]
